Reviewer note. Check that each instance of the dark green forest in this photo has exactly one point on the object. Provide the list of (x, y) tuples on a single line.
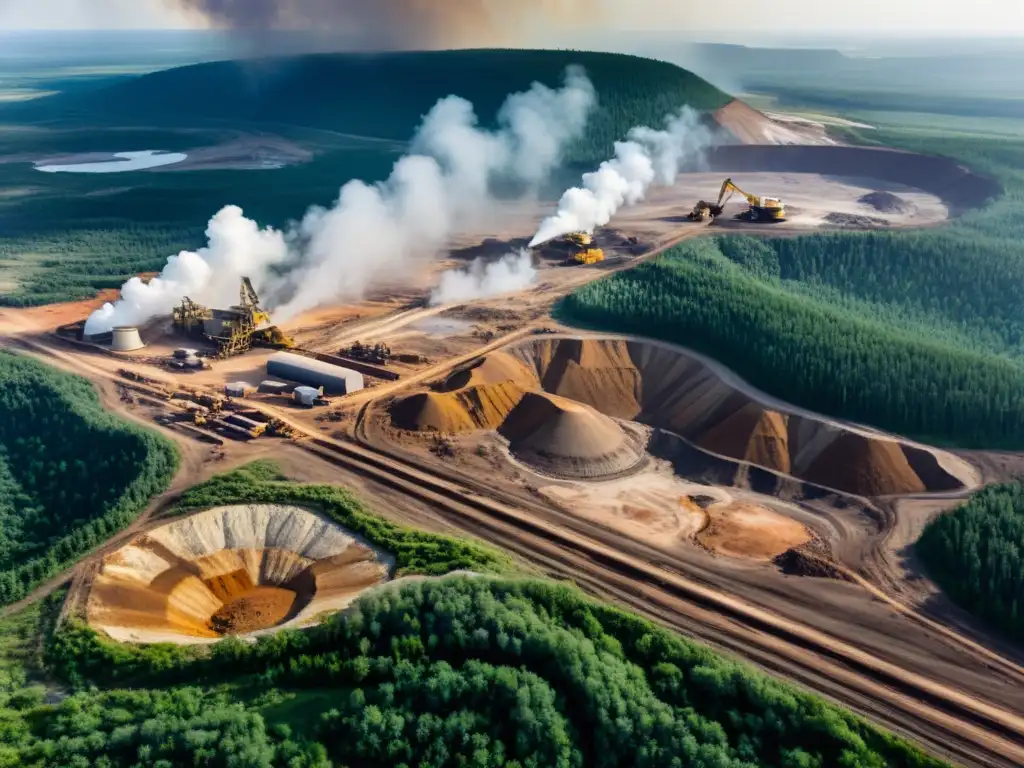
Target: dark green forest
[(976, 554), (71, 475), (461, 671), (820, 354), (393, 91)]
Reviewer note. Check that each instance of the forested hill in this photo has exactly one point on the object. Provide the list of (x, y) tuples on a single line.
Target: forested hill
[(385, 94), (71, 474)]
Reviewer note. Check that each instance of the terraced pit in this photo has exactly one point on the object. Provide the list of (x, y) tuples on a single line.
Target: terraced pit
[(231, 571)]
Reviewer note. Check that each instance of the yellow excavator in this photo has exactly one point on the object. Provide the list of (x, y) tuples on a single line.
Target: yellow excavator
[(583, 251), (761, 208)]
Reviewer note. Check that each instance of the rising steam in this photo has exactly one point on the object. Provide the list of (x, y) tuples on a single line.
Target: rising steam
[(648, 157), (481, 279), (373, 231)]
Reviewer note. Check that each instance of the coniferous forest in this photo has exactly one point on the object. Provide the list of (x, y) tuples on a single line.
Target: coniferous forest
[(869, 357), (976, 554), (71, 475)]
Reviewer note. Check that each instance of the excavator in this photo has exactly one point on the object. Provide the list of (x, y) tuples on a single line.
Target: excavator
[(761, 208)]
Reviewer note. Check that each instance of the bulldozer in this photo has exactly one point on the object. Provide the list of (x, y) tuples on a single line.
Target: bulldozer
[(583, 250), (760, 208)]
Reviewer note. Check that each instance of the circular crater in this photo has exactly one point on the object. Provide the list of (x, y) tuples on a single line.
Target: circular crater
[(231, 571)]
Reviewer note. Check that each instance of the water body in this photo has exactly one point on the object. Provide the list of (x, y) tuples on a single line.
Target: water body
[(126, 161)]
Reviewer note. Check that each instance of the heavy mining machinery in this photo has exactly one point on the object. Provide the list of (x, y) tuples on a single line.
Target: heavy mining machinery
[(760, 208), (234, 330), (583, 250)]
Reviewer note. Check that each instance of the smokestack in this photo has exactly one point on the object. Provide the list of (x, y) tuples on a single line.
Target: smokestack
[(648, 157), (374, 231)]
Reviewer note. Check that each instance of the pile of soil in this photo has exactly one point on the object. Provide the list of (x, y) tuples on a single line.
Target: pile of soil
[(496, 368), (668, 389), (886, 202), (259, 608), (752, 434), (566, 438), (872, 467), (750, 531), (474, 408)]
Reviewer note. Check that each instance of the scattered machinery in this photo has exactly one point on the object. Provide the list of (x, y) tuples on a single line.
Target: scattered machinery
[(583, 250), (378, 354), (761, 208), (234, 330)]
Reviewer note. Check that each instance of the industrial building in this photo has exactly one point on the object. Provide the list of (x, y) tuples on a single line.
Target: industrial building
[(334, 379), (307, 396)]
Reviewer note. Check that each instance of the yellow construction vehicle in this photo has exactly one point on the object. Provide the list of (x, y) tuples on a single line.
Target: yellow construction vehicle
[(761, 208), (583, 251)]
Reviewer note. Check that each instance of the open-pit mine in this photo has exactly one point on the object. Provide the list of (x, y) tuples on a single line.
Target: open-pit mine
[(642, 471)]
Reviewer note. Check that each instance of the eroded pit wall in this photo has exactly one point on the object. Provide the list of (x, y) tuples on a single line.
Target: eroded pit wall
[(231, 570), (960, 188)]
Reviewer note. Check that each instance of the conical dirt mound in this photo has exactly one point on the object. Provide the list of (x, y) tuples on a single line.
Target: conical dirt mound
[(566, 438), (475, 408)]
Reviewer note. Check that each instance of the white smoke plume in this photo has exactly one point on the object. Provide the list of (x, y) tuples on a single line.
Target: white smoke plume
[(512, 272), (374, 231), (649, 156), (236, 246)]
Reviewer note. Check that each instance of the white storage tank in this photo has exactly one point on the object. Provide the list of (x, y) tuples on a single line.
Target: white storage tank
[(333, 379), (126, 339)]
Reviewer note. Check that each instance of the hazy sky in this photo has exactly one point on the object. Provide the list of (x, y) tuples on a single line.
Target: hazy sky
[(1005, 17)]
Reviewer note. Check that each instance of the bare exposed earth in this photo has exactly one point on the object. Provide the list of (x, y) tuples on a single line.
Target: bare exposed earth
[(230, 570)]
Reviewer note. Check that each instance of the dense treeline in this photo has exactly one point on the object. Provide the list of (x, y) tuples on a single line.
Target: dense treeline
[(954, 286), (976, 554), (811, 351), (394, 91), (70, 473), (452, 672)]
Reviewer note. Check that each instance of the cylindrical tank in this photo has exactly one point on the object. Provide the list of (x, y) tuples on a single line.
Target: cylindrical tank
[(127, 339)]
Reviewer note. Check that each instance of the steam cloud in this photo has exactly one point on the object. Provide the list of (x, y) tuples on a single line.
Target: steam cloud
[(512, 272), (648, 157), (373, 231), (376, 24)]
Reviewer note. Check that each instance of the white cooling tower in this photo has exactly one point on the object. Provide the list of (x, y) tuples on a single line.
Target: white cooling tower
[(127, 339)]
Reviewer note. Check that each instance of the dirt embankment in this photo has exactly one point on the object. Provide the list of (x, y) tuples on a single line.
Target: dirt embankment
[(665, 388), (959, 188), (231, 570)]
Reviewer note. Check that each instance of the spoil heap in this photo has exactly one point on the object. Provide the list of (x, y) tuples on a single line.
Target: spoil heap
[(564, 438), (477, 396), (886, 202), (230, 570), (666, 388)]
